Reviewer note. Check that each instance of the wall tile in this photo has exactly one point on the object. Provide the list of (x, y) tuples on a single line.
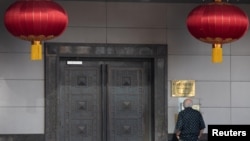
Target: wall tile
[(85, 14), (240, 116), (136, 35), (21, 93), (121, 14), (241, 47), (177, 14), (19, 66), (9, 43), (21, 120), (197, 68), (240, 94), (82, 35), (172, 114), (240, 68), (172, 101), (216, 116), (210, 94)]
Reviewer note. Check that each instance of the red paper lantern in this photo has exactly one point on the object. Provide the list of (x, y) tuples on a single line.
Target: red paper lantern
[(35, 21), (217, 23)]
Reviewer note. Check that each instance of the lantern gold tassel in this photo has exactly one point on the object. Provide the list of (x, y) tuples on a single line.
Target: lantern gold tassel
[(217, 0), (217, 53), (36, 50)]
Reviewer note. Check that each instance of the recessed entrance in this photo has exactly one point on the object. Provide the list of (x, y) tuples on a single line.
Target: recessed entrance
[(105, 98)]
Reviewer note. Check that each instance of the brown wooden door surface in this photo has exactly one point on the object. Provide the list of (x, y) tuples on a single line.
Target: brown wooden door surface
[(105, 100)]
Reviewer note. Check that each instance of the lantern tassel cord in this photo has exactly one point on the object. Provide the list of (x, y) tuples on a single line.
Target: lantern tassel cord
[(36, 50), (217, 53)]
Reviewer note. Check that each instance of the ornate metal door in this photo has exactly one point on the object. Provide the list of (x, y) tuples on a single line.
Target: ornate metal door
[(106, 100)]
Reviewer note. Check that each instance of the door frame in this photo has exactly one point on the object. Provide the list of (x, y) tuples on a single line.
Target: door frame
[(156, 52)]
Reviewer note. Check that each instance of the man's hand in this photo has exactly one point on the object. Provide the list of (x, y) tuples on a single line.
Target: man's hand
[(178, 137)]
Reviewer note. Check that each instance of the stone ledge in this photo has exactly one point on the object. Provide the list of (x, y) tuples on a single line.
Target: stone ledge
[(23, 137)]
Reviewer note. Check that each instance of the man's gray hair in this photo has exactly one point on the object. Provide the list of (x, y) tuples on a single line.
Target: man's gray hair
[(187, 103)]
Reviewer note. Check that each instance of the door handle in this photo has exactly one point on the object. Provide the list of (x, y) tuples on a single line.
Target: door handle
[(103, 99), (104, 74), (107, 74)]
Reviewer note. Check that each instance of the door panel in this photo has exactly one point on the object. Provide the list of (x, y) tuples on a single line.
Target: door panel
[(105, 101), (80, 98), (128, 116)]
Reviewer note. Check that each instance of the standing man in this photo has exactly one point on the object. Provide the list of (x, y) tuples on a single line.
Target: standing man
[(190, 124)]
